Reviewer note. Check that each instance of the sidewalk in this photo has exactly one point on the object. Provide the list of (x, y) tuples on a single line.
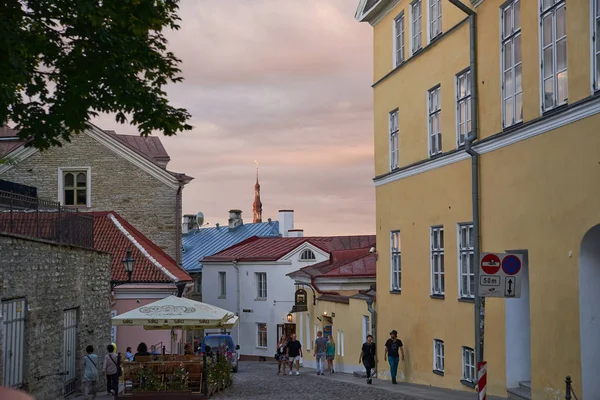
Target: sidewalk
[(408, 390)]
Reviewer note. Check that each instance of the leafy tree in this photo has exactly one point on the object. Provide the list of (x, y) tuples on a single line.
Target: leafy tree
[(63, 62)]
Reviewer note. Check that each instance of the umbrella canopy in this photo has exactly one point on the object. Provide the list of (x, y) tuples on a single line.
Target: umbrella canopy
[(177, 313)]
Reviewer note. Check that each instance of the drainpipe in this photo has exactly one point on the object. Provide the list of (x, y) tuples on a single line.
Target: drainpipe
[(479, 314), (373, 325), (239, 314)]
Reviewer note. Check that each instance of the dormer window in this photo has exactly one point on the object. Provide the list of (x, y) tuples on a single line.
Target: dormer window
[(307, 255)]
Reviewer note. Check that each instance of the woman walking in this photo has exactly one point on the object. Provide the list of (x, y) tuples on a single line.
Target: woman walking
[(330, 354), (90, 373), (281, 353)]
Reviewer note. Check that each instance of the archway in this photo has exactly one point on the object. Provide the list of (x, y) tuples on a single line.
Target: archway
[(589, 312)]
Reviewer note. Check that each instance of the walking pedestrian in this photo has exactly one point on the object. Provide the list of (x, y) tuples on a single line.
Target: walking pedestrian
[(111, 371), (320, 352), (294, 353), (330, 354), (367, 356), (279, 353), (392, 348), (90, 373)]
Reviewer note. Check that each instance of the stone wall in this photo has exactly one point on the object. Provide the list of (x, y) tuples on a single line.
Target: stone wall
[(116, 185), (54, 278)]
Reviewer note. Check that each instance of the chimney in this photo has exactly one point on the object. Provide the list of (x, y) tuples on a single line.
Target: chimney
[(296, 233), (286, 222), (235, 219), (189, 222)]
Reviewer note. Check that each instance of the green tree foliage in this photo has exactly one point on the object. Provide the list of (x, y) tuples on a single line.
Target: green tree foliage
[(63, 62)]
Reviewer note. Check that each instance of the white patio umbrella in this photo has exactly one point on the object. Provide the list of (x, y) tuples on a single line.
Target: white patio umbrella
[(177, 313)]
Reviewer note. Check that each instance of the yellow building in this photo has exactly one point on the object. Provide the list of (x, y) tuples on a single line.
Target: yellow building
[(342, 304), (486, 140)]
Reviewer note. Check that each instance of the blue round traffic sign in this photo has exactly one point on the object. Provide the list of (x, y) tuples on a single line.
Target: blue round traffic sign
[(511, 264)]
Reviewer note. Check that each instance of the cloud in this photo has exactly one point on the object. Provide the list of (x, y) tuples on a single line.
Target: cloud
[(286, 83)]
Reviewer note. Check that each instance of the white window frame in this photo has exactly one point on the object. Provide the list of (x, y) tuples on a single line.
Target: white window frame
[(438, 355), (466, 261), (264, 333), (339, 342), (261, 292), (434, 113), (398, 30), (437, 267), (468, 365), (507, 41), (551, 11), (61, 184), (416, 35), (222, 284), (463, 99), (395, 261), (308, 340), (394, 139), (342, 345), (198, 284), (434, 19), (307, 255), (595, 46)]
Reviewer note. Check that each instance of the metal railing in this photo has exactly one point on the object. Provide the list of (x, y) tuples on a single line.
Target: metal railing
[(569, 390), (42, 219)]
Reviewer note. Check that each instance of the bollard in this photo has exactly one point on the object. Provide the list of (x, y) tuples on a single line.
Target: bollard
[(568, 389)]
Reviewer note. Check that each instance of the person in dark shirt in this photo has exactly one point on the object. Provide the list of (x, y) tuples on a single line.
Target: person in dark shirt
[(294, 353), (367, 356), (393, 348)]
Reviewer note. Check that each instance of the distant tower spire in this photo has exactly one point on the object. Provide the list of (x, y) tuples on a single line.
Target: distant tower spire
[(257, 206)]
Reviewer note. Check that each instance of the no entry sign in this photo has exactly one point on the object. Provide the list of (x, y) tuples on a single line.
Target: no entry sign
[(499, 275)]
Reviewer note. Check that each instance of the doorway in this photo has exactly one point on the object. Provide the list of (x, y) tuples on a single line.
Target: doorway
[(589, 313), (518, 331)]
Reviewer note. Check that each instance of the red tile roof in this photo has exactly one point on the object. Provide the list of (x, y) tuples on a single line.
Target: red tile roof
[(272, 249), (115, 235)]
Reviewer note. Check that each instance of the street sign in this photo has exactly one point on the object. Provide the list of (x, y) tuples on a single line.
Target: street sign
[(499, 275)]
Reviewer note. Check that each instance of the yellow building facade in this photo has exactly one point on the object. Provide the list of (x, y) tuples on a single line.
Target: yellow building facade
[(534, 113)]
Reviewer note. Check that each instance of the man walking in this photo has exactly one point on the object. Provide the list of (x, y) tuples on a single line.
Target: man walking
[(392, 346), (367, 356), (294, 353), (320, 351)]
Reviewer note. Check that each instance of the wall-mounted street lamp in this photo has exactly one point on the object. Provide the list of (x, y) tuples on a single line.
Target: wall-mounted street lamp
[(290, 317), (325, 313), (128, 265)]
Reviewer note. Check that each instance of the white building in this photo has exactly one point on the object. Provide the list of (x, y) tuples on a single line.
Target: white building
[(250, 279)]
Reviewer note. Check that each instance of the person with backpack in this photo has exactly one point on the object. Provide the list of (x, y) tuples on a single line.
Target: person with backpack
[(90, 373), (111, 371)]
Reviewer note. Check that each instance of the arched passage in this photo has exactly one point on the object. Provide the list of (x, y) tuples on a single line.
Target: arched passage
[(589, 312)]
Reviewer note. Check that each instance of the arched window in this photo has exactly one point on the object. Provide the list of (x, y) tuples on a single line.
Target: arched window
[(307, 255)]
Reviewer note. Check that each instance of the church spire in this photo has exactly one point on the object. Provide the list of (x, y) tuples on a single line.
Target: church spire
[(257, 206)]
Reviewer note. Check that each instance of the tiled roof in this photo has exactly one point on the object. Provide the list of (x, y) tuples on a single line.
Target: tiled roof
[(9, 140), (206, 242), (272, 249), (149, 146), (114, 235)]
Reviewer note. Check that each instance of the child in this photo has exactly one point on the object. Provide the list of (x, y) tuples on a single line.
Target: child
[(90, 373)]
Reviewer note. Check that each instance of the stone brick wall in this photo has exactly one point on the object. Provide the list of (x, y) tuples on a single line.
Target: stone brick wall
[(116, 184), (54, 278)]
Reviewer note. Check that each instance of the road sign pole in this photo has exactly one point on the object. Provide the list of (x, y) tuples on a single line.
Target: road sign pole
[(479, 312)]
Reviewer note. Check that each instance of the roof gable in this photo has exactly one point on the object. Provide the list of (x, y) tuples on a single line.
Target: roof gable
[(115, 235), (373, 11)]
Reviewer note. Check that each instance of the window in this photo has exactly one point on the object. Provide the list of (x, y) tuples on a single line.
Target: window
[(435, 18), (399, 40), (468, 363), (339, 347), (307, 255), (261, 285), (394, 138), (416, 28), (463, 107), (222, 285), (342, 343), (466, 262), (437, 260), (74, 186), (438, 355), (396, 263), (596, 44), (198, 284), (435, 133), (366, 327), (308, 342), (512, 85), (554, 53), (262, 335)]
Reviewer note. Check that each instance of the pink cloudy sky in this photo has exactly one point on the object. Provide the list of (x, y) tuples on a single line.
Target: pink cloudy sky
[(284, 82)]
